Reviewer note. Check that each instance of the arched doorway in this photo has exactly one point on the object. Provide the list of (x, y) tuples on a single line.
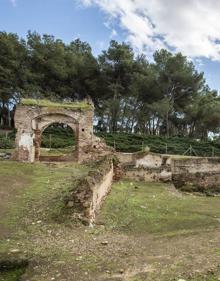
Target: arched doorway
[(57, 143), (32, 117), (51, 123)]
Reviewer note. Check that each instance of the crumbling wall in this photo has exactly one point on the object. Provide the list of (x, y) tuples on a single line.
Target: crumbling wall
[(89, 193), (187, 173), (31, 120), (126, 158), (146, 166), (160, 174), (196, 174)]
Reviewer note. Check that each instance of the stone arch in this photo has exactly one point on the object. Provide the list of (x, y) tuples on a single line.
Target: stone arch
[(41, 122), (32, 117)]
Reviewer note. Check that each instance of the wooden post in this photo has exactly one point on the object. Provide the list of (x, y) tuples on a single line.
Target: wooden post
[(50, 140), (166, 148)]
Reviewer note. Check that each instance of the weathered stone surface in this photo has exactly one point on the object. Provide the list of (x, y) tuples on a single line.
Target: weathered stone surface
[(192, 174), (5, 155), (32, 120), (87, 197), (146, 166), (196, 174)]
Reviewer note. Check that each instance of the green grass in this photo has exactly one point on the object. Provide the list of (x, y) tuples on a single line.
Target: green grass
[(56, 152), (47, 103), (40, 188), (8, 150), (154, 208), (133, 209), (12, 275)]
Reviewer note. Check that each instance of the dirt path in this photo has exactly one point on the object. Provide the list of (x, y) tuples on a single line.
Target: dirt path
[(11, 187), (149, 232)]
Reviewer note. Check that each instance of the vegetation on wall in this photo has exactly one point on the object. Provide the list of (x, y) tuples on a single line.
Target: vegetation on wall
[(165, 97)]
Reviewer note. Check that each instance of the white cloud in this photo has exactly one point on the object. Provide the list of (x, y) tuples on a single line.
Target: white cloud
[(14, 3), (113, 33), (189, 26)]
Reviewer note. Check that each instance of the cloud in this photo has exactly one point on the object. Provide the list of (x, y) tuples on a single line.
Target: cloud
[(113, 33), (189, 26), (14, 3)]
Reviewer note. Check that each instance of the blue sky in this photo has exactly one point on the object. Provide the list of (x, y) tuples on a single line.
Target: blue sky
[(99, 21)]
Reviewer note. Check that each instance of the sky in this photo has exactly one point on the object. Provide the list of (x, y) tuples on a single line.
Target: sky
[(189, 26)]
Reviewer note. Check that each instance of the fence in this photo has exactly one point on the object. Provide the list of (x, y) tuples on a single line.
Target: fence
[(125, 142)]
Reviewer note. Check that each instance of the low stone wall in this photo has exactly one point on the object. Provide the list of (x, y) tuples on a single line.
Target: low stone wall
[(5, 155), (146, 166), (90, 192), (126, 158), (196, 174), (147, 174)]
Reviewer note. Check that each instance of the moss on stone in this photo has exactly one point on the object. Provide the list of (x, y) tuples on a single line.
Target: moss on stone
[(47, 103)]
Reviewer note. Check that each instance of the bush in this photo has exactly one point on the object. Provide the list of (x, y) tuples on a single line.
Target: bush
[(57, 137), (158, 144), (6, 143)]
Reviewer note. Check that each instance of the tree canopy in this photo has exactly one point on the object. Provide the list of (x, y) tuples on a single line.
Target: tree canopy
[(166, 96)]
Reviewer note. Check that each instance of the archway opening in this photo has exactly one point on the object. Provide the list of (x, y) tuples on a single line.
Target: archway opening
[(58, 142)]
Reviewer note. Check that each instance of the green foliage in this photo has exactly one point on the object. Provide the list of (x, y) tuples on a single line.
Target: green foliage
[(12, 275), (7, 142), (57, 136), (158, 144), (165, 97)]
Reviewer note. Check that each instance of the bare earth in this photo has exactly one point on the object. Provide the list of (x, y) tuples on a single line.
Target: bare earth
[(33, 227)]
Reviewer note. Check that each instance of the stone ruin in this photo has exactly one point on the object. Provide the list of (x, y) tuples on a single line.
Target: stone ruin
[(32, 117)]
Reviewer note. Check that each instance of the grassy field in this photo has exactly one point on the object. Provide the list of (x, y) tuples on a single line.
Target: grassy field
[(145, 231), (158, 209)]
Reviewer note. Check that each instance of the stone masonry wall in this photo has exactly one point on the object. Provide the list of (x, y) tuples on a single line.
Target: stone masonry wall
[(146, 166), (196, 174), (89, 193), (30, 121)]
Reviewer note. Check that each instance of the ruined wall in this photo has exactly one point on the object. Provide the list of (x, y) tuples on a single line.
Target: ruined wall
[(146, 166), (89, 193), (126, 158), (31, 120), (148, 174), (196, 174), (187, 173)]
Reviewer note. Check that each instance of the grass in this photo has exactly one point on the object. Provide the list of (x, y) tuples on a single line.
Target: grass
[(32, 197), (47, 103), (12, 275), (7, 150), (33, 187), (154, 208), (133, 214), (56, 152)]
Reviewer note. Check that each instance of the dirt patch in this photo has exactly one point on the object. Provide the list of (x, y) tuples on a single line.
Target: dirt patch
[(144, 232), (10, 188)]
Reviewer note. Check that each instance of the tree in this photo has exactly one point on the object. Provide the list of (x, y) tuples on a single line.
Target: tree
[(12, 73), (178, 80), (116, 66)]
